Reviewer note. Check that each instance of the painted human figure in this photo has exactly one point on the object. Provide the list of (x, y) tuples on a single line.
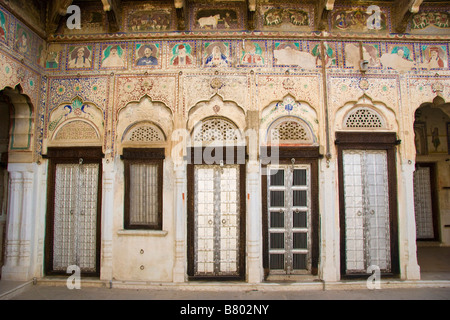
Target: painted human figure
[(435, 138), (114, 59), (182, 58), (2, 27), (147, 59), (435, 61), (22, 43), (80, 58), (216, 58), (250, 56)]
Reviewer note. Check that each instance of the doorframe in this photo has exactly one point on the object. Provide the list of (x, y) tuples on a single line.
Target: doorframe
[(67, 156), (302, 155), (370, 141), (434, 200), (238, 160)]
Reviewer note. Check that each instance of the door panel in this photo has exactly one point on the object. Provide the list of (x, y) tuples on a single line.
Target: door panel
[(366, 197), (216, 220), (423, 204), (75, 217), (289, 219)]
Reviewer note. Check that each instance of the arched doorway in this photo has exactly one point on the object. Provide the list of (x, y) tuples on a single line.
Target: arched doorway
[(16, 179), (432, 187), (216, 201)]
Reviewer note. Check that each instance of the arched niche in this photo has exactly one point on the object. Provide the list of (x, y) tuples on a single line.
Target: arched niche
[(289, 131), (216, 131), (145, 123), (365, 115), (217, 107), (76, 132), (21, 133), (295, 117), (75, 123)]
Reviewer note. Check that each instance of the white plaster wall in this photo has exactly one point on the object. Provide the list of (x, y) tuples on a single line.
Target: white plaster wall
[(143, 255)]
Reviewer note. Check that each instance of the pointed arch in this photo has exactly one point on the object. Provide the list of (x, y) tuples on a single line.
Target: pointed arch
[(365, 114), (289, 130)]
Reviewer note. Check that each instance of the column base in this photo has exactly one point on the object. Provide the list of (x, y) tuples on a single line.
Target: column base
[(16, 273)]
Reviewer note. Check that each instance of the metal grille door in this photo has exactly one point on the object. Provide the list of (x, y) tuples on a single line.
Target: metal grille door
[(289, 219), (423, 203), (366, 196), (75, 217), (216, 206)]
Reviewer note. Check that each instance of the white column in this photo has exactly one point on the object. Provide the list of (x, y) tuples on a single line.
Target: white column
[(27, 219), (409, 267), (179, 270), (106, 263), (254, 259), (329, 226), (13, 224), (20, 261)]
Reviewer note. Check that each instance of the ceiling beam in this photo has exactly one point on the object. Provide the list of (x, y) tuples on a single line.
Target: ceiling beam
[(112, 9), (405, 10), (57, 10), (323, 9), (251, 9), (180, 9)]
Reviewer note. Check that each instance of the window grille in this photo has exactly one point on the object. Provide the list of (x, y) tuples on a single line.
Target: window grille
[(146, 133), (364, 118), (289, 131), (143, 188), (215, 129)]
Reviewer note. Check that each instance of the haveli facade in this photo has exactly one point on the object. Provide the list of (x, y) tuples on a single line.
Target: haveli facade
[(175, 141)]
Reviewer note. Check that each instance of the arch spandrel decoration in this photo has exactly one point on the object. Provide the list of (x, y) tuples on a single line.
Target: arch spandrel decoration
[(79, 132)]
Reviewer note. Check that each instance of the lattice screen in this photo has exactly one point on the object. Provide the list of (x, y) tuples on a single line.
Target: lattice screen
[(215, 129), (363, 118), (146, 133), (290, 131)]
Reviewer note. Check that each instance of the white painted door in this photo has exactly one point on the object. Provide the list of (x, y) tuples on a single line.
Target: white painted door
[(216, 220), (75, 217), (366, 196), (289, 219)]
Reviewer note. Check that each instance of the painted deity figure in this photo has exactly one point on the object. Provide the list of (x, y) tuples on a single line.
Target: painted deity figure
[(217, 58)]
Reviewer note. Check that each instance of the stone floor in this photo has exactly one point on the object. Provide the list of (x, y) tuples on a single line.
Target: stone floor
[(434, 284)]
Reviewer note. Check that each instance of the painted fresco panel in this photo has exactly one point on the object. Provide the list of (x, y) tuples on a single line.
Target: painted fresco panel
[(217, 18), (147, 55), (181, 54), (113, 56), (286, 18)]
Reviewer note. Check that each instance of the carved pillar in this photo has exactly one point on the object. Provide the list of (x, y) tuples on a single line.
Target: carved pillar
[(21, 224), (329, 231), (407, 225), (179, 270), (106, 264), (254, 261)]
